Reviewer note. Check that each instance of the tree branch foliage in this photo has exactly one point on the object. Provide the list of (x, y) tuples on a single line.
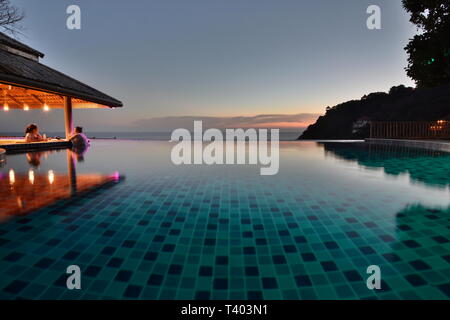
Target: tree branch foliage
[(10, 17), (429, 51)]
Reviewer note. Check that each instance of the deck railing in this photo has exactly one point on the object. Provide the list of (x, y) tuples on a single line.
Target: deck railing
[(410, 129)]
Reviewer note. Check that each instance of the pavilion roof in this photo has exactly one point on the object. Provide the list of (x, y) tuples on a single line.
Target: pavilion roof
[(24, 80)]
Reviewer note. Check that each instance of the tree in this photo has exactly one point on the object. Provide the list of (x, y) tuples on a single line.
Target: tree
[(10, 17), (429, 51)]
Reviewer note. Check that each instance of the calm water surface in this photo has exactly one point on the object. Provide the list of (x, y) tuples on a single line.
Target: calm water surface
[(140, 227)]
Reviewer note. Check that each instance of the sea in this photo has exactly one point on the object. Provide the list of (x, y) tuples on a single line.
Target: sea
[(155, 136)]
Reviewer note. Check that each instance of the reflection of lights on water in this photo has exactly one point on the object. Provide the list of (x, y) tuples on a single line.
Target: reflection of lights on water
[(12, 177), (19, 202), (31, 176), (51, 176), (116, 176)]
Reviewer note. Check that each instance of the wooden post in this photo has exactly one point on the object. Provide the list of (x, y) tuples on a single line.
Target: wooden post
[(72, 172), (68, 116)]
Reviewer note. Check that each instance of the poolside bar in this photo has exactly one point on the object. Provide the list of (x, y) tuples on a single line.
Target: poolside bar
[(26, 84)]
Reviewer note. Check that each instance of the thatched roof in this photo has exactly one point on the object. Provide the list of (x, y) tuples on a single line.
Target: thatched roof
[(20, 67)]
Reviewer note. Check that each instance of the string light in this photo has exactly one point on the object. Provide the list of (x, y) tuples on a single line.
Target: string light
[(46, 107), (26, 107)]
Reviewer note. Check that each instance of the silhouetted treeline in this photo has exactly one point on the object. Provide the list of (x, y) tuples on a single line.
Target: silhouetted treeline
[(349, 120)]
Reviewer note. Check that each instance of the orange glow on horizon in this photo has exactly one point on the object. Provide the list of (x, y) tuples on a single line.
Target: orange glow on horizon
[(280, 125)]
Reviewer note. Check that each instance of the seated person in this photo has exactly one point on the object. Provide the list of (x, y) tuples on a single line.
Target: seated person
[(79, 139), (32, 134)]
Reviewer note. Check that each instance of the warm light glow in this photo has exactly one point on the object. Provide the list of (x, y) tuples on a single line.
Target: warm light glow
[(46, 107), (31, 176), (19, 202), (12, 177), (42, 194), (51, 176), (26, 107), (5, 107)]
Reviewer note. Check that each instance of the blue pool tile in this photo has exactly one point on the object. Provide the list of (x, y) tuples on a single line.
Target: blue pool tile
[(15, 287), (216, 234)]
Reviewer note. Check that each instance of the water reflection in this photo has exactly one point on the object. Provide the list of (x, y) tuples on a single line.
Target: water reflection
[(420, 229), (427, 166), (34, 158), (2, 159), (24, 192), (424, 222)]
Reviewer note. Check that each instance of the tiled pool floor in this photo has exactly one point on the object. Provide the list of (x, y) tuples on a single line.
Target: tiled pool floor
[(169, 232)]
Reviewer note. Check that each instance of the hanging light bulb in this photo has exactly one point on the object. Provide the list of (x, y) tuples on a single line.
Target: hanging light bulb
[(26, 107), (46, 107), (5, 107)]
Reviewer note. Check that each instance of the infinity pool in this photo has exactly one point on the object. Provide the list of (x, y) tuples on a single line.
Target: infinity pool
[(140, 227)]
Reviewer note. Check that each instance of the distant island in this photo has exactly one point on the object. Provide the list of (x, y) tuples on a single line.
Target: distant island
[(350, 120)]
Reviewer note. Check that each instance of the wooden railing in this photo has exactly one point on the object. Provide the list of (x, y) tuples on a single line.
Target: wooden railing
[(410, 129)]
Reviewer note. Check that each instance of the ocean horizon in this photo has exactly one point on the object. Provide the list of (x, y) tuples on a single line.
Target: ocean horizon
[(155, 136)]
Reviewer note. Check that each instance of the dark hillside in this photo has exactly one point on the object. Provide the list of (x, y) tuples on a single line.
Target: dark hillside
[(349, 120)]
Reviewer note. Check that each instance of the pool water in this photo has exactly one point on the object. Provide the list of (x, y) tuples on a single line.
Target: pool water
[(140, 227)]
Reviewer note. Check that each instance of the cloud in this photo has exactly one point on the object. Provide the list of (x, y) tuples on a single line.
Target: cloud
[(282, 121)]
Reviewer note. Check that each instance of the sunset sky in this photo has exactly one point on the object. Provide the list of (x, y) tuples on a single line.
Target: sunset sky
[(235, 63)]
